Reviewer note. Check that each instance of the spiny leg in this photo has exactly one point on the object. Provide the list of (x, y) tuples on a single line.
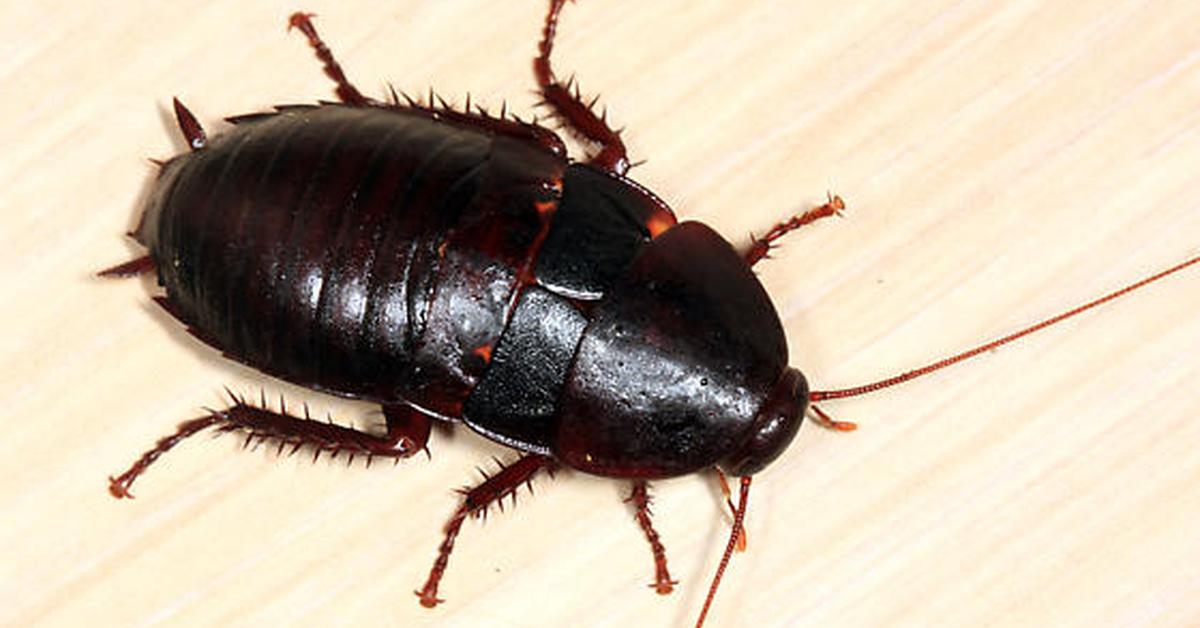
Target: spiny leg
[(119, 486), (640, 496), (346, 92), (407, 433), (760, 247), (493, 489), (435, 107), (578, 116)]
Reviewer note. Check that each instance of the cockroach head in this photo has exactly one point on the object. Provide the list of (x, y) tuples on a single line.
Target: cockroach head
[(774, 427)]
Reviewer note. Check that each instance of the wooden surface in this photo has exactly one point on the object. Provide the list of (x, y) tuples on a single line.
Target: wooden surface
[(1001, 161)]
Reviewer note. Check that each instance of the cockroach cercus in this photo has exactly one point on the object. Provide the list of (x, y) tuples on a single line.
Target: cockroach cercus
[(458, 266)]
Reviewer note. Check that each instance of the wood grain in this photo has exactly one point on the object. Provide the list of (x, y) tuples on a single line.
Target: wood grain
[(1002, 161)]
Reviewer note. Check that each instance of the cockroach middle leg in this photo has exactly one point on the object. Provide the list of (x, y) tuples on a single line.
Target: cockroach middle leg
[(761, 247), (407, 433), (580, 117), (501, 484), (346, 91), (640, 497)]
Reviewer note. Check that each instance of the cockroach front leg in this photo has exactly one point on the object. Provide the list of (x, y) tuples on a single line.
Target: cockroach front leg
[(828, 422), (760, 247), (407, 433), (495, 487), (640, 497), (579, 117)]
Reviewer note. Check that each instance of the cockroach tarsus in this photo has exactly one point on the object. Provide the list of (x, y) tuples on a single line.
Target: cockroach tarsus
[(457, 266)]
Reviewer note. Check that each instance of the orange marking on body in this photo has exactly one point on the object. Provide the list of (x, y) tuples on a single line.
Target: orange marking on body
[(484, 352), (545, 208), (659, 222)]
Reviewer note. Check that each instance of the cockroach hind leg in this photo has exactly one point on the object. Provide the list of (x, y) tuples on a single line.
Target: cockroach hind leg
[(259, 424), (119, 486)]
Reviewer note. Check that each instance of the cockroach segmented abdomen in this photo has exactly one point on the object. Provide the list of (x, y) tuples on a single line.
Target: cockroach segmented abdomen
[(260, 424)]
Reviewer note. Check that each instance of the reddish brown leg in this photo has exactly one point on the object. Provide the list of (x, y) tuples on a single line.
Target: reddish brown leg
[(503, 483), (829, 423), (640, 496), (346, 92), (435, 109), (407, 433), (760, 247), (741, 542), (579, 117)]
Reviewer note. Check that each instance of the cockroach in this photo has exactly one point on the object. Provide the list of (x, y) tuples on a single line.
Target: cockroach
[(453, 265)]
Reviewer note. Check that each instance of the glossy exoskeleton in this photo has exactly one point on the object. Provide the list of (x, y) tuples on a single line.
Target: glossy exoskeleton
[(452, 265)]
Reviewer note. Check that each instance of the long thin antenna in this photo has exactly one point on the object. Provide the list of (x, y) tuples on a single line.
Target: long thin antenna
[(841, 393), (739, 518)]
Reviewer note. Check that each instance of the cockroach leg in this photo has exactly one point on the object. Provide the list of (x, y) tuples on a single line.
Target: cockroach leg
[(640, 497), (192, 131), (435, 108), (132, 268), (580, 117), (407, 428), (742, 543), (408, 432), (760, 247), (346, 91), (824, 420), (503, 483), (119, 486)]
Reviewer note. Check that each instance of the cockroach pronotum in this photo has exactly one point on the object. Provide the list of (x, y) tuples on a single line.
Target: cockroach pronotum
[(453, 265)]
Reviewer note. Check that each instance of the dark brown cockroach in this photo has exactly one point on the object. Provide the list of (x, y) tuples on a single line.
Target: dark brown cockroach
[(458, 266)]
